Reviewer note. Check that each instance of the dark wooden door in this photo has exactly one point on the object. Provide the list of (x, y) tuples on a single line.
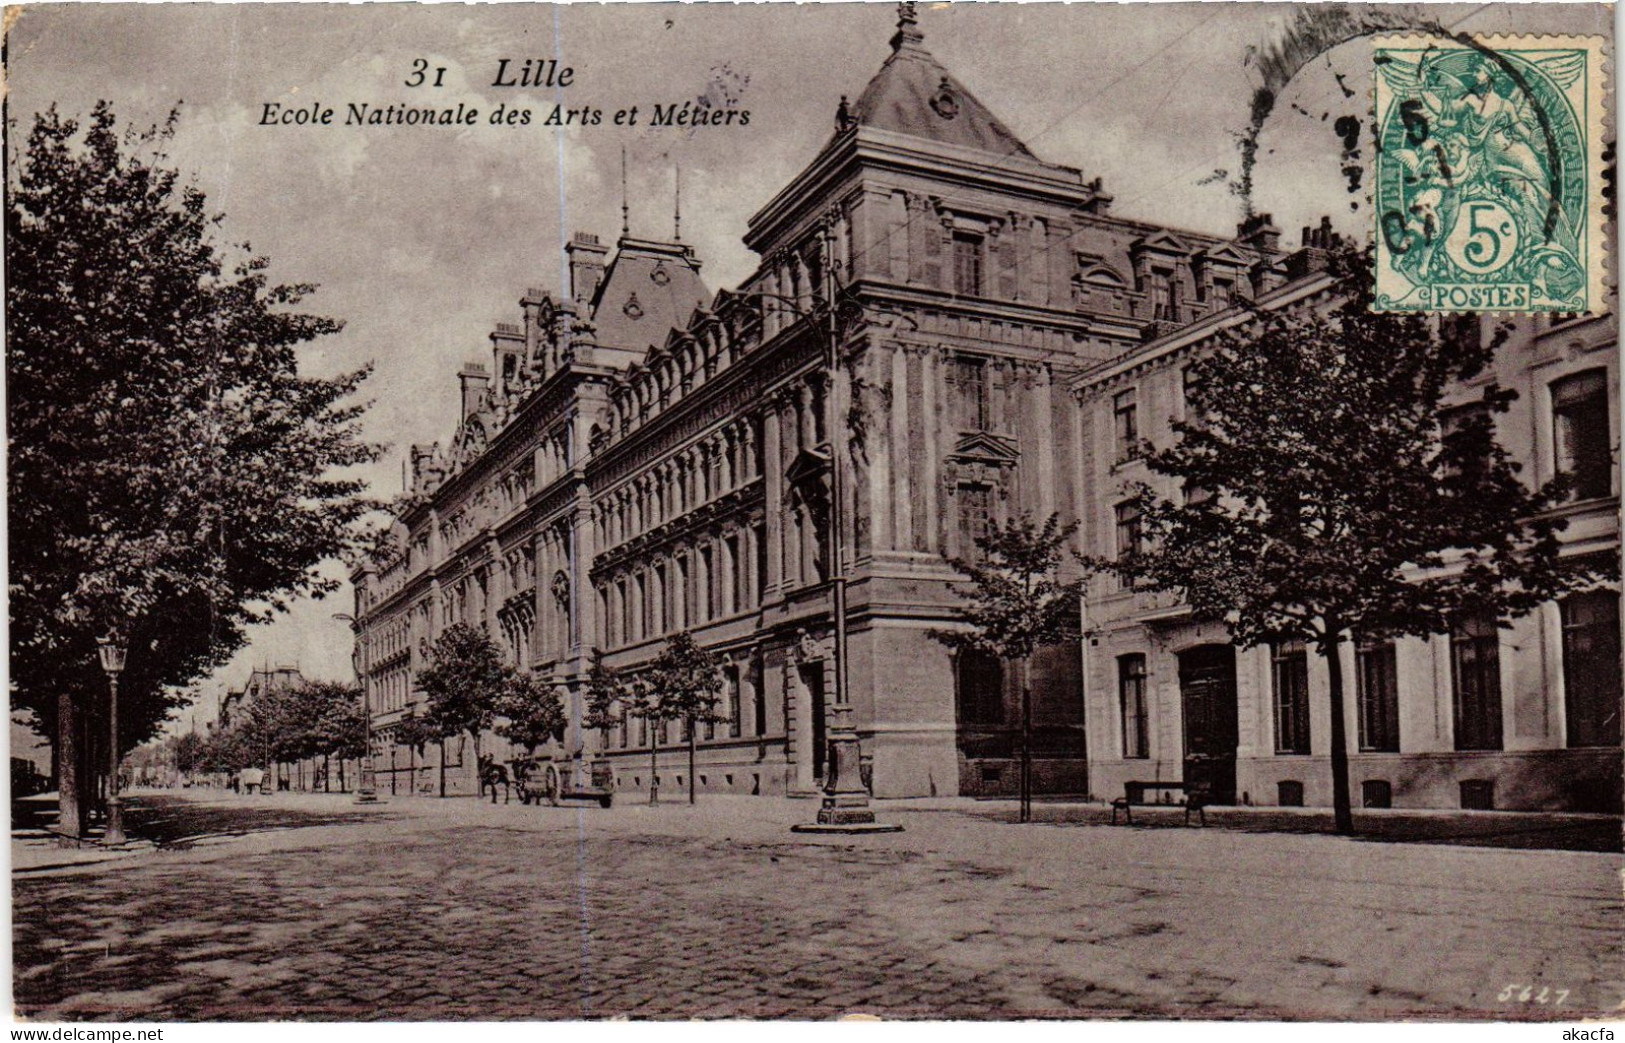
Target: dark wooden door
[(1207, 685), (812, 675)]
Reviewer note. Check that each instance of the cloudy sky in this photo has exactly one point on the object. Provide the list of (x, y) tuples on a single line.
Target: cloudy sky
[(421, 238)]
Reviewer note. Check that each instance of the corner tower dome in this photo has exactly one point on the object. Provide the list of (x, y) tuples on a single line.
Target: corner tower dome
[(913, 94)]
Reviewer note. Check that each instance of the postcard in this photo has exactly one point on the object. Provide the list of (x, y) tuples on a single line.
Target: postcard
[(661, 511)]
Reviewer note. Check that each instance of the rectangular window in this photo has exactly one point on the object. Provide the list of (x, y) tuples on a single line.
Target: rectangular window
[(759, 539), (1128, 529), (708, 579), (1289, 677), (975, 519), (643, 607), (658, 600), (759, 698), (734, 597), (1162, 296), (1131, 697), (1591, 668), (971, 376), (679, 601), (1126, 415), (1224, 294), (1475, 660), (968, 264), (1465, 433), (1376, 680), (1580, 435), (736, 721)]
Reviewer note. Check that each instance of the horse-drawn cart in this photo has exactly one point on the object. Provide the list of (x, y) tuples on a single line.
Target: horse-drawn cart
[(561, 780)]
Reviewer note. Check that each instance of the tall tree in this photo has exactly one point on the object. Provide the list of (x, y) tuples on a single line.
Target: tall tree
[(614, 697), (531, 713), (416, 733), (1017, 603), (686, 682), (340, 727), (172, 475), (1326, 494), (465, 679)]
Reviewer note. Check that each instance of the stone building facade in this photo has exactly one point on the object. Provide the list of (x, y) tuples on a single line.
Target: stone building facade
[(1523, 718), (644, 456)]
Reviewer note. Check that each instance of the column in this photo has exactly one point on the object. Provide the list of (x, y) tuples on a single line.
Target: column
[(1044, 401), (900, 494)]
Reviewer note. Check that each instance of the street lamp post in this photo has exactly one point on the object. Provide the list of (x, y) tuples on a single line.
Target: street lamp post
[(112, 655), (845, 806), (367, 789)]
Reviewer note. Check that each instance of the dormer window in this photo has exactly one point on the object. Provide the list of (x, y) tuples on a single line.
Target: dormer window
[(968, 248), (1224, 294), (1162, 295)]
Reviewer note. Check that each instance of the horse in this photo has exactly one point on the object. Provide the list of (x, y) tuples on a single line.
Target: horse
[(493, 775)]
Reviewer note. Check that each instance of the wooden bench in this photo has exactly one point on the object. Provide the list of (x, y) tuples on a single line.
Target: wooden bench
[(1193, 798)]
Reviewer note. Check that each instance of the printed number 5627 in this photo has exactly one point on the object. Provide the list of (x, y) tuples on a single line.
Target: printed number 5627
[(1517, 992)]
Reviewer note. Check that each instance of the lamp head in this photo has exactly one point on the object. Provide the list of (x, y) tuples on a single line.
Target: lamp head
[(112, 653)]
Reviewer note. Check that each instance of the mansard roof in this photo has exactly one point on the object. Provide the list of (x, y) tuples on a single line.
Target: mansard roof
[(649, 288), (913, 94)]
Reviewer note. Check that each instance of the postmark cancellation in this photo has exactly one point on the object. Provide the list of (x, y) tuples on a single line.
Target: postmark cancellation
[(1489, 173)]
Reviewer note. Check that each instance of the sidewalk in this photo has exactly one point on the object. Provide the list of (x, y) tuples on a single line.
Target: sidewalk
[(184, 820), (1556, 831)]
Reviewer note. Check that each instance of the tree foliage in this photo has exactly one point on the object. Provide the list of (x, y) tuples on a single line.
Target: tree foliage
[(465, 679), (1016, 601), (171, 473), (1327, 497), (1325, 492), (685, 682), (531, 711)]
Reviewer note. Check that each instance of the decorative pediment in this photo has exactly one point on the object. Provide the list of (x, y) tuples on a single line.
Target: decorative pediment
[(983, 448), (810, 465), (1163, 243), (1095, 271), (1227, 255)]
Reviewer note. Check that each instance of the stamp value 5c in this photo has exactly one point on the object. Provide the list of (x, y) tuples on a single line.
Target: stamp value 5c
[(1488, 187)]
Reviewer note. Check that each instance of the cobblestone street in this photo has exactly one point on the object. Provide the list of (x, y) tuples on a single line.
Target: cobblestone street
[(307, 907)]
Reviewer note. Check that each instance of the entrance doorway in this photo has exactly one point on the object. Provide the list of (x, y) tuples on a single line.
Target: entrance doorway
[(1207, 687), (812, 684)]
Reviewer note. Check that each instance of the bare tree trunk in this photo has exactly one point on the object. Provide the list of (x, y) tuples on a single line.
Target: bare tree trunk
[(1026, 752), (693, 779), (69, 780), (442, 768), (1342, 812), (654, 764)]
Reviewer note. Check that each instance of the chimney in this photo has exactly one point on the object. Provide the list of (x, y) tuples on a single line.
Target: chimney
[(1321, 238), (474, 380), (1260, 233), (586, 265)]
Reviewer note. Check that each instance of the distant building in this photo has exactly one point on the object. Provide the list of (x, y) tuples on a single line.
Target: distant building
[(260, 681)]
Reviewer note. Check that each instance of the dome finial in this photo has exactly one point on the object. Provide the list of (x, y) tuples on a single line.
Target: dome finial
[(908, 27)]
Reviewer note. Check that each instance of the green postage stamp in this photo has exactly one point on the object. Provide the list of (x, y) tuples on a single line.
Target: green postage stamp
[(1489, 174)]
